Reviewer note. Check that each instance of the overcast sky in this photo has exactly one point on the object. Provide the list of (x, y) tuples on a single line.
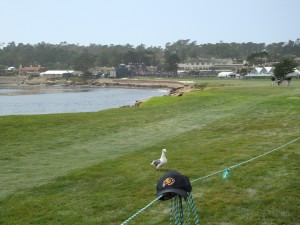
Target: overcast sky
[(149, 22)]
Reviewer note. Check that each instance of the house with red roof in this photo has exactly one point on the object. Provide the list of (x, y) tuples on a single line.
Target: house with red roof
[(30, 70)]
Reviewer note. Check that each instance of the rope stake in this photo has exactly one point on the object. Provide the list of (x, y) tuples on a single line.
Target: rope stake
[(226, 174)]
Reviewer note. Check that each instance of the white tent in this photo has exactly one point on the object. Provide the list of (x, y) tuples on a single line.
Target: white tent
[(256, 70), (227, 75), (57, 73), (296, 73), (269, 69)]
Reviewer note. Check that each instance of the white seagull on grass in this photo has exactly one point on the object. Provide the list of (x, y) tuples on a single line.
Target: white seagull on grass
[(159, 163)]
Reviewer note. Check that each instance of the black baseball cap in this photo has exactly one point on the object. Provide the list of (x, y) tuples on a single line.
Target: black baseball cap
[(172, 183)]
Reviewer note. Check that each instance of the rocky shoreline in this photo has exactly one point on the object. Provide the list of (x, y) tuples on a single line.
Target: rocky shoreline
[(177, 88)]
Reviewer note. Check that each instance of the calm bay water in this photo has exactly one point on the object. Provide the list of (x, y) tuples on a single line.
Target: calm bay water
[(45, 100)]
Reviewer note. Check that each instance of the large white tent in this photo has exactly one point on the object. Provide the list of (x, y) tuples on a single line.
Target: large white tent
[(227, 75), (296, 73), (59, 73)]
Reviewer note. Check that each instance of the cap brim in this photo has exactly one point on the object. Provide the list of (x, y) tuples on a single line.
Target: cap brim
[(171, 190)]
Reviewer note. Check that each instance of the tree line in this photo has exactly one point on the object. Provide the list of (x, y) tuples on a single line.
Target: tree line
[(71, 56)]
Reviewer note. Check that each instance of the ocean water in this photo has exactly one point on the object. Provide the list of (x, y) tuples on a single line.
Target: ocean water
[(45, 100)]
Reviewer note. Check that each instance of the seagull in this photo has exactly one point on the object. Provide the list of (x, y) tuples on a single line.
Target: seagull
[(159, 163)]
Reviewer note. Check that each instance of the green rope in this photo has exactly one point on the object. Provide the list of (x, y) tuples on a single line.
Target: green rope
[(141, 210), (187, 211), (194, 209), (180, 210), (171, 211), (176, 211), (247, 161), (204, 177)]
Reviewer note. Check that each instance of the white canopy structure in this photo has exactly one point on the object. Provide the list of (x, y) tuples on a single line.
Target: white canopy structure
[(296, 73), (227, 75), (56, 73), (256, 70), (262, 72)]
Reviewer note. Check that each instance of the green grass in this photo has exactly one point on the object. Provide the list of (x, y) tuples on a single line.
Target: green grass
[(94, 168)]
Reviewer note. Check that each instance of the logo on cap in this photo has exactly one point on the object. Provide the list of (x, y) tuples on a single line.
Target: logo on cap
[(169, 181)]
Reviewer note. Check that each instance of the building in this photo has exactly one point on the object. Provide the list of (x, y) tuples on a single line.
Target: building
[(103, 71), (150, 70), (30, 70), (297, 60), (204, 65)]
